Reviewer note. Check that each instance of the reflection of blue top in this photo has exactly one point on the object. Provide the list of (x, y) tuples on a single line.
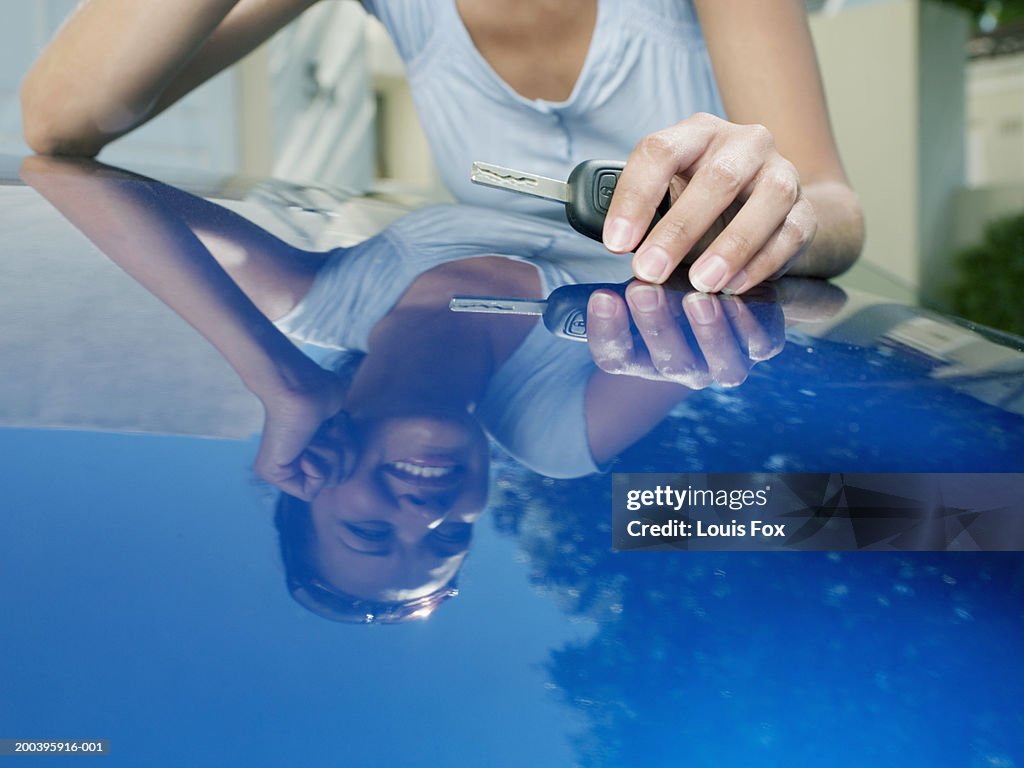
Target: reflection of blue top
[(534, 404), (647, 69)]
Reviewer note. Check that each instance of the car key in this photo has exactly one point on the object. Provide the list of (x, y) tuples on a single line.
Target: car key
[(564, 312), (586, 195)]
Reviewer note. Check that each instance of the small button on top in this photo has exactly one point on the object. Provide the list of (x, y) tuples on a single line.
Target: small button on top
[(604, 189)]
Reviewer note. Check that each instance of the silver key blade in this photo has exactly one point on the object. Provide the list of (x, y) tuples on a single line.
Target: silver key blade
[(495, 305), (519, 181)]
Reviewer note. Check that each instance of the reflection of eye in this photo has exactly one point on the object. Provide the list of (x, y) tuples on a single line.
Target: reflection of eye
[(453, 533), (373, 532)]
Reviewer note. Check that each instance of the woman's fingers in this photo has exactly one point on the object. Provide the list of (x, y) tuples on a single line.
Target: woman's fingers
[(725, 168), (670, 355), (761, 336), (650, 168), (713, 332), (695, 342), (611, 341), (726, 263), (715, 184), (608, 333), (772, 259), (299, 451)]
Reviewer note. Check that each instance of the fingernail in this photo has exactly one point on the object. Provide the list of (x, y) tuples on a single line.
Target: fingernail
[(618, 234), (730, 306), (651, 264), (602, 305), (702, 307), (737, 284), (708, 273), (645, 297)]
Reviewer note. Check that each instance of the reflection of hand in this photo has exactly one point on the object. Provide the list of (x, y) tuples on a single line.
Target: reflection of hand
[(724, 167), (696, 341), (300, 447)]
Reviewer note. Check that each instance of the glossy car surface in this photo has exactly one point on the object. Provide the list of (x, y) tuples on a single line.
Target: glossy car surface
[(148, 598)]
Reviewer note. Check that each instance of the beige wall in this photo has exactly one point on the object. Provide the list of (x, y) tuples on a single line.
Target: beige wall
[(868, 61), (975, 208), (995, 148), (403, 152), (942, 130), (995, 115)]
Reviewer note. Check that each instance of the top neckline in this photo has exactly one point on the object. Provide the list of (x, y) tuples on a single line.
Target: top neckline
[(542, 105)]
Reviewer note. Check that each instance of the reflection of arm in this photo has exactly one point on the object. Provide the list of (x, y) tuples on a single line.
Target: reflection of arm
[(126, 219), (622, 409), (117, 63), (274, 274)]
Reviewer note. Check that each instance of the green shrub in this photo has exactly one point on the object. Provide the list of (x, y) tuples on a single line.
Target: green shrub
[(988, 287)]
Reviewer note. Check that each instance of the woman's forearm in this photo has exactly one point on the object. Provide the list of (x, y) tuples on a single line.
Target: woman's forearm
[(103, 72), (117, 63)]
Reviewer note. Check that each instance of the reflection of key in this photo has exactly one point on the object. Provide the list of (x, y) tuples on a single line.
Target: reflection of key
[(564, 312), (587, 194)]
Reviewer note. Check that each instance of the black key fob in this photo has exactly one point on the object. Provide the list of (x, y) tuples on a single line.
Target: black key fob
[(591, 186)]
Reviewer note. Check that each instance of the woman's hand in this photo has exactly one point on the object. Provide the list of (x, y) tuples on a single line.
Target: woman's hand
[(716, 170), (304, 434), (696, 340)]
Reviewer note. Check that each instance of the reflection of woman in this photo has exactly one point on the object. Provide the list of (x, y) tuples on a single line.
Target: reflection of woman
[(385, 468)]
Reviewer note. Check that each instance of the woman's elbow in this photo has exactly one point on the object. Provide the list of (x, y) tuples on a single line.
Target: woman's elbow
[(840, 231), (850, 232), (48, 129)]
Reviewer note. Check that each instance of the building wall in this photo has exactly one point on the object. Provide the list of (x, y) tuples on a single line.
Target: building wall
[(322, 109), (403, 152), (995, 147), (942, 44), (874, 117), (995, 121)]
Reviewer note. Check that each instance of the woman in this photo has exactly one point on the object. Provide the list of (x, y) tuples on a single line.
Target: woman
[(747, 151)]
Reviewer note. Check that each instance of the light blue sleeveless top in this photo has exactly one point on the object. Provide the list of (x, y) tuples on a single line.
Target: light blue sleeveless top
[(647, 69)]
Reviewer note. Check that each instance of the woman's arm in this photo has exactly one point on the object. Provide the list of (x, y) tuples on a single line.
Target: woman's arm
[(115, 64), (772, 170), (773, 79)]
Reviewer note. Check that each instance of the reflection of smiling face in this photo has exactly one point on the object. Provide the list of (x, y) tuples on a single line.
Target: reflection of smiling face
[(398, 527)]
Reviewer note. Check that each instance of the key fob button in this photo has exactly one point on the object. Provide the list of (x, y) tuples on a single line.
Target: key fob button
[(604, 189), (575, 325)]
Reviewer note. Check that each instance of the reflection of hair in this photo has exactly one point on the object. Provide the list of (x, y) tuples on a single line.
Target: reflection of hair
[(296, 534)]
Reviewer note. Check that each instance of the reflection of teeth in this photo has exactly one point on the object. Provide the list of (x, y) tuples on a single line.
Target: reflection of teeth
[(420, 471)]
